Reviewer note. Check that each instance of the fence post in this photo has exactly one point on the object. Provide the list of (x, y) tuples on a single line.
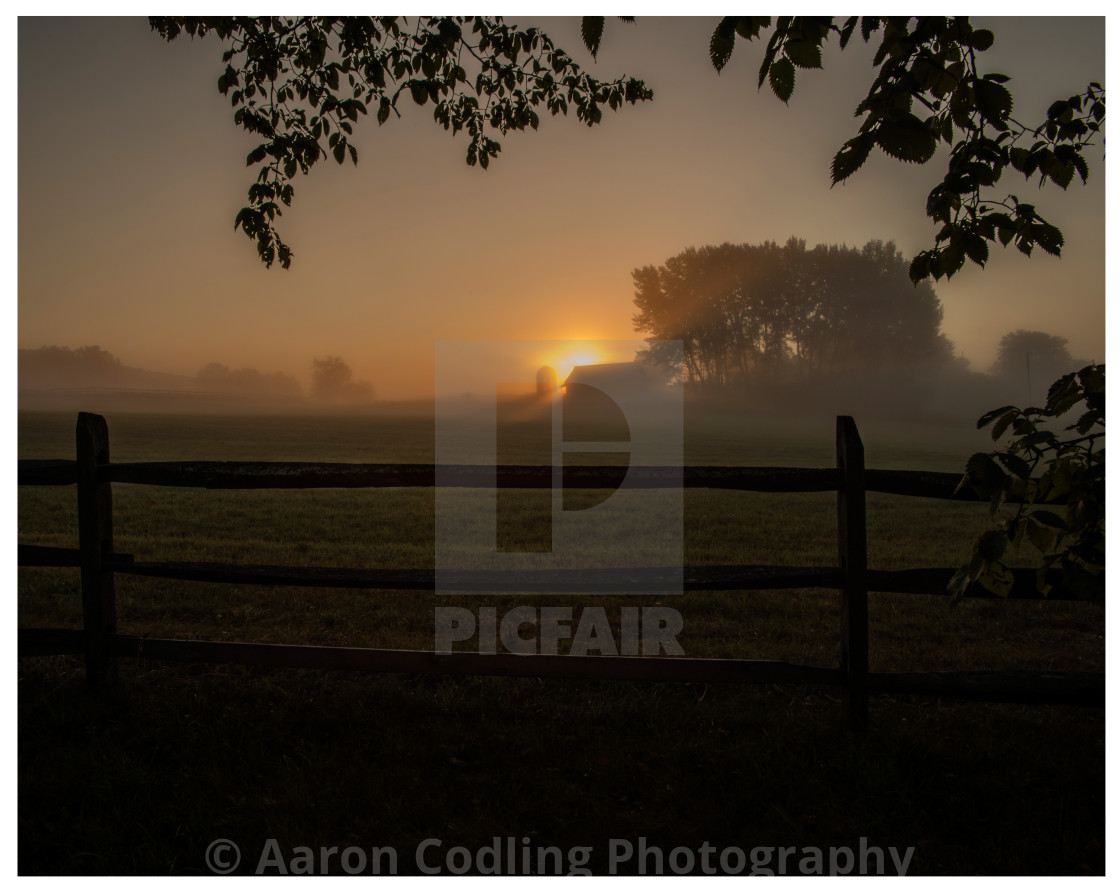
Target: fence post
[(852, 518), (95, 540)]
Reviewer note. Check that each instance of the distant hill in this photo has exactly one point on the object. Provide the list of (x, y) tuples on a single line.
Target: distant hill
[(90, 367), (59, 378)]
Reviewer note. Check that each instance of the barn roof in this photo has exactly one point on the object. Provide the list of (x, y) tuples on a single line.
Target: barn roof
[(628, 373)]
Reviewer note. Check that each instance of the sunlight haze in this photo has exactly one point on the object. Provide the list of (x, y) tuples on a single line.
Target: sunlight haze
[(131, 174)]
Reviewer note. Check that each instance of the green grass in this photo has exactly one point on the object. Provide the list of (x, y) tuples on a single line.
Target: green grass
[(140, 781)]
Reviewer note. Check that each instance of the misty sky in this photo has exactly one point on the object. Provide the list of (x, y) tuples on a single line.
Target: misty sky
[(131, 172)]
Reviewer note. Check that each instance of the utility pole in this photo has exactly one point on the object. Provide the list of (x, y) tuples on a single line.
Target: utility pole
[(1029, 391)]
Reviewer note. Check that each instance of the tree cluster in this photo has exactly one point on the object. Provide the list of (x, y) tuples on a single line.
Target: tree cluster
[(756, 316), (332, 379)]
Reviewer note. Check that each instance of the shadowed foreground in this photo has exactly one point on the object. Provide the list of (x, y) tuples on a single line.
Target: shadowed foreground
[(144, 781)]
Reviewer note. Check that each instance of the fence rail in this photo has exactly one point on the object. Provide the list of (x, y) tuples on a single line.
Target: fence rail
[(93, 473), (696, 578), (263, 474)]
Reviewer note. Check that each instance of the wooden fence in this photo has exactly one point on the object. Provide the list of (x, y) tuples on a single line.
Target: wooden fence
[(93, 473)]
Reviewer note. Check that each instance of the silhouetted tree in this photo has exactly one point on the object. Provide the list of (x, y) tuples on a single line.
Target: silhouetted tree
[(1034, 358), (333, 380), (1044, 349), (298, 81), (329, 376), (756, 315), (94, 356), (213, 373)]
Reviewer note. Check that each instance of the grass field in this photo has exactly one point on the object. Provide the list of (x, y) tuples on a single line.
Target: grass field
[(142, 780)]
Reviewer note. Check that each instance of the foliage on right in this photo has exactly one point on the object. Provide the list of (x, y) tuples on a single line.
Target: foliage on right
[(929, 90), (1043, 466)]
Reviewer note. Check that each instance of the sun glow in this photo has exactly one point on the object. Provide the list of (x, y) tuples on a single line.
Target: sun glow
[(563, 365)]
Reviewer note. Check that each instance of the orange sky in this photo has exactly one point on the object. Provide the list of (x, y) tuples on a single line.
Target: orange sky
[(131, 172)]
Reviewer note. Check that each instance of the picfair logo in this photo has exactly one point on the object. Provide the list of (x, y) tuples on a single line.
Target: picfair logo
[(566, 479)]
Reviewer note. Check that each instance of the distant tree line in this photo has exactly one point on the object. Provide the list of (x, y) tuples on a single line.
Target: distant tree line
[(57, 367), (331, 380), (246, 381), (81, 363)]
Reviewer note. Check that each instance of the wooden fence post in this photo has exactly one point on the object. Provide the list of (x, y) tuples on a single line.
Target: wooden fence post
[(95, 540), (852, 518)]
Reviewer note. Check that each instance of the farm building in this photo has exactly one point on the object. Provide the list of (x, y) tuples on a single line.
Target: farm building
[(621, 379), (605, 401)]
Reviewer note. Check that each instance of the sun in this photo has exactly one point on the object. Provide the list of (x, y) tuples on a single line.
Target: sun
[(563, 364)]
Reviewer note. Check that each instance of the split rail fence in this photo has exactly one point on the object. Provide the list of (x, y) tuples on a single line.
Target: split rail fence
[(93, 473)]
